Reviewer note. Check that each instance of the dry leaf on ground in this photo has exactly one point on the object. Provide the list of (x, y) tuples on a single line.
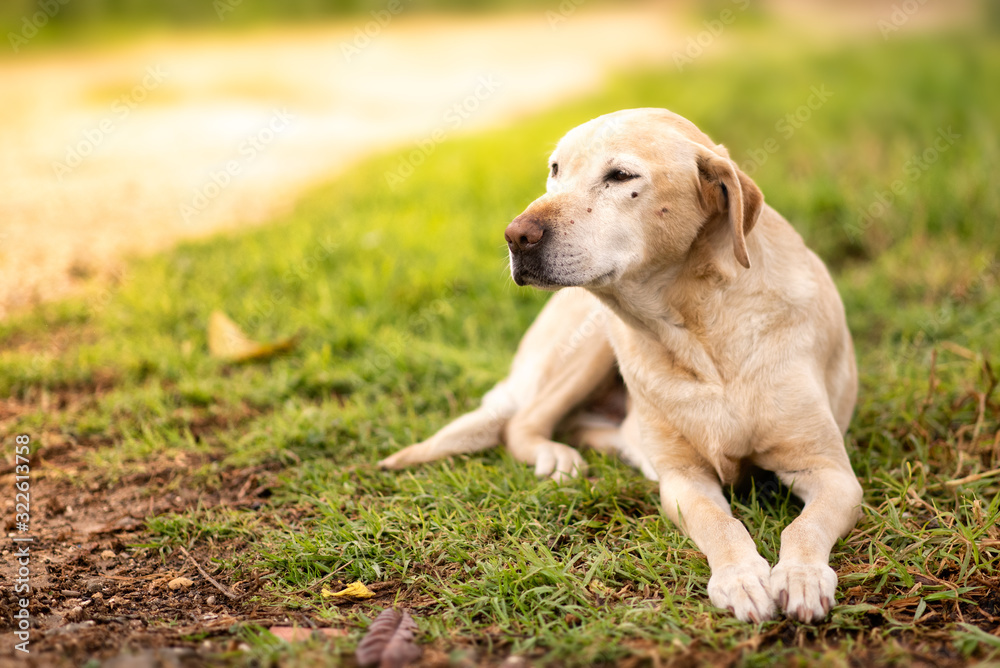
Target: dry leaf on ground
[(353, 590), (227, 341), (389, 641), (300, 633)]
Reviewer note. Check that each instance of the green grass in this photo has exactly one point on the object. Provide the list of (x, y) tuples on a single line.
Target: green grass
[(407, 316), (38, 25)]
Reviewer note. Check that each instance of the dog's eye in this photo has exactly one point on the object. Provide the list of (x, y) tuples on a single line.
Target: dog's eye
[(555, 169), (619, 175)]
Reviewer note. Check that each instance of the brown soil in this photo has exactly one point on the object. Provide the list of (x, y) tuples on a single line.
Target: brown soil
[(94, 594), (99, 591)]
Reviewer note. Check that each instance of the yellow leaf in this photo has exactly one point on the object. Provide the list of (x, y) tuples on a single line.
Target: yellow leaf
[(227, 341), (353, 590)]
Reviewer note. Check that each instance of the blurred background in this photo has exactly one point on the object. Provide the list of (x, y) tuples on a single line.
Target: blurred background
[(127, 125), (117, 116)]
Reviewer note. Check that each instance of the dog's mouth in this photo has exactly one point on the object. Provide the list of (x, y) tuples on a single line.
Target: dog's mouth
[(529, 270), (524, 277)]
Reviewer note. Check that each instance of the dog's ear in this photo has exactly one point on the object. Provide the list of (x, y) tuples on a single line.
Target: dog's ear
[(724, 187)]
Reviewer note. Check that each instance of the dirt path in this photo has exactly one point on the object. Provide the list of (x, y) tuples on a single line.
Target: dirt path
[(121, 151)]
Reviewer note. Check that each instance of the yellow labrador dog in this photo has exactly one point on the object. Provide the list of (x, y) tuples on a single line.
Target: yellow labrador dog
[(728, 332)]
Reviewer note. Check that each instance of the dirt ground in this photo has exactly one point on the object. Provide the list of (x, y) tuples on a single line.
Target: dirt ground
[(97, 597)]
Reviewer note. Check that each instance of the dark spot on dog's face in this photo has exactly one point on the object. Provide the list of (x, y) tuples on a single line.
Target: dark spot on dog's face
[(572, 222), (588, 210), (635, 194)]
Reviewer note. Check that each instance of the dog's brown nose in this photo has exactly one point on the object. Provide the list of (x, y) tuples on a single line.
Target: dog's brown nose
[(523, 233)]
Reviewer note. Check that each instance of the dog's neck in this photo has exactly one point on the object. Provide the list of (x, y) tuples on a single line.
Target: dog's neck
[(650, 314), (676, 295), (669, 304)]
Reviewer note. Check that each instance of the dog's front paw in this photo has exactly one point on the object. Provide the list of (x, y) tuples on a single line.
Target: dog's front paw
[(743, 589), (804, 591), (558, 461)]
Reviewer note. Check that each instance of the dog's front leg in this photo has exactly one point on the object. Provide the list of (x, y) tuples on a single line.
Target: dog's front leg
[(528, 434), (740, 582), (803, 583)]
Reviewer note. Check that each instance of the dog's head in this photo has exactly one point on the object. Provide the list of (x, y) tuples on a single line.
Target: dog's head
[(629, 193)]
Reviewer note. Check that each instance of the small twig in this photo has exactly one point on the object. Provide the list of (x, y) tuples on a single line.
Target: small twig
[(130, 578), (208, 577), (972, 478), (915, 498), (975, 477), (245, 488), (308, 622), (991, 378), (980, 415), (930, 384), (961, 351), (323, 579)]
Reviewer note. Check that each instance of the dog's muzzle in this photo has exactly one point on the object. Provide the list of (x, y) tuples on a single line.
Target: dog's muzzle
[(526, 237), (524, 233)]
